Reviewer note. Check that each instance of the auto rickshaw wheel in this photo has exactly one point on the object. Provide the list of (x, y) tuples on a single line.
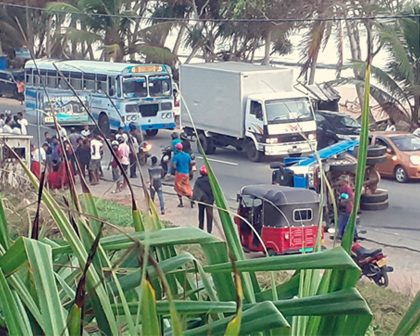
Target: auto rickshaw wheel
[(271, 252)]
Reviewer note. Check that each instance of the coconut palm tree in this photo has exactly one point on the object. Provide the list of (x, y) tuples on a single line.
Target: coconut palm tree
[(109, 30), (401, 77)]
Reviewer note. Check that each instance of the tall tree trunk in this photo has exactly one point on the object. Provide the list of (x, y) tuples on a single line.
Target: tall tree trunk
[(193, 52), (178, 40), (415, 112), (352, 34), (268, 36), (312, 69)]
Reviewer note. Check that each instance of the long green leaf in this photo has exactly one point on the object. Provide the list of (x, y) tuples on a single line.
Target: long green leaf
[(411, 319), (150, 322), (4, 229), (40, 260), (15, 318)]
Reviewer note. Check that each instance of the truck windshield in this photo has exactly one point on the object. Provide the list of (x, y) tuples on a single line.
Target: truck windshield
[(134, 87), (160, 85), (281, 111)]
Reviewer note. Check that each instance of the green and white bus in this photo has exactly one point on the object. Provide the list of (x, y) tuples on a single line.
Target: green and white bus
[(117, 94)]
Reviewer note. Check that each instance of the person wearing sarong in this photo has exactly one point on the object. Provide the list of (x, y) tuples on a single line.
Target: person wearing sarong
[(181, 163)]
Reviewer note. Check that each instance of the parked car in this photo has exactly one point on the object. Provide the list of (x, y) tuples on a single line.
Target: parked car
[(8, 82), (335, 126), (402, 155)]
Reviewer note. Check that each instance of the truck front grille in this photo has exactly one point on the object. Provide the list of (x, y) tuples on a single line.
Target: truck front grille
[(294, 137)]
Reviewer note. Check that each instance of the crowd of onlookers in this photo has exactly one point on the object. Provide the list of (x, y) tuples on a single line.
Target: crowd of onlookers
[(13, 124), (84, 151)]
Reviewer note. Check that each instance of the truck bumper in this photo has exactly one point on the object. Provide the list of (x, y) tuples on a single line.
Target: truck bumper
[(289, 148)]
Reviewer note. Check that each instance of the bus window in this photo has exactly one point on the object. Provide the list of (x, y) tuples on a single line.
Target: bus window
[(118, 82), (111, 86), (160, 85), (134, 87), (101, 83), (28, 77), (62, 84), (89, 82), (76, 80), (51, 79)]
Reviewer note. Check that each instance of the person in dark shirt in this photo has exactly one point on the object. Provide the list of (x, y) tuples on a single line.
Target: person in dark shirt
[(155, 176), (203, 194), (83, 155), (186, 144)]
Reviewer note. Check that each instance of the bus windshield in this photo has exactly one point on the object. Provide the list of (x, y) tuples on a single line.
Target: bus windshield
[(287, 110), (134, 87), (160, 85)]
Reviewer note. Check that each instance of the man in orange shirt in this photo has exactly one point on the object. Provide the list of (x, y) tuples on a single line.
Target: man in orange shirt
[(21, 91)]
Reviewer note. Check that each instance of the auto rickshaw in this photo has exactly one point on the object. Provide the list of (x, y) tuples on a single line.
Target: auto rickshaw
[(286, 218)]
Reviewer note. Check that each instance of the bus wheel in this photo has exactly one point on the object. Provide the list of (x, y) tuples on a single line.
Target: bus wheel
[(152, 133), (103, 123)]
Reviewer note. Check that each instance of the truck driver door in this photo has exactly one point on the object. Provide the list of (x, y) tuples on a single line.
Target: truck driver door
[(255, 118)]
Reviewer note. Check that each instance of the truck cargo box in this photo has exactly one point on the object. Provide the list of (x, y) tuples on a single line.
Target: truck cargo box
[(216, 93)]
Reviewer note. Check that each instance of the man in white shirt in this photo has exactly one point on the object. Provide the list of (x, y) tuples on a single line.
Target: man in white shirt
[(95, 159), (23, 123)]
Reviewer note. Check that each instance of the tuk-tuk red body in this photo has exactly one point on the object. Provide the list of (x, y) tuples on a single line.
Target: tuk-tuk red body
[(286, 218)]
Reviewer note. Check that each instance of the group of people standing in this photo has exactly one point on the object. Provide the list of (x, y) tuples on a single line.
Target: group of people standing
[(84, 152), (13, 124)]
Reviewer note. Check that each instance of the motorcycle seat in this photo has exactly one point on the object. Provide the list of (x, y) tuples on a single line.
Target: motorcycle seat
[(364, 252)]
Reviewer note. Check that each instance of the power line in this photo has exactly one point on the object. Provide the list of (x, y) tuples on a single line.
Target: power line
[(221, 20)]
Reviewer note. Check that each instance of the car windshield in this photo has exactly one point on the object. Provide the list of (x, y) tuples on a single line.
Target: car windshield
[(19, 75), (287, 110), (160, 85), (134, 87), (349, 122), (407, 143)]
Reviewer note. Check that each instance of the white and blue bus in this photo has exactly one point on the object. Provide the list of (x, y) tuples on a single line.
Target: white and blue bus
[(140, 94)]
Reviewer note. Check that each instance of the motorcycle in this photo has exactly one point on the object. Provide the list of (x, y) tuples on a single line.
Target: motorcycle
[(144, 152), (373, 264)]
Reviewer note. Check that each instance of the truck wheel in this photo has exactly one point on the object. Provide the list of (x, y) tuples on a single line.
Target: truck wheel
[(374, 206), (375, 159), (207, 144), (103, 123), (152, 133), (342, 166), (252, 153), (380, 195)]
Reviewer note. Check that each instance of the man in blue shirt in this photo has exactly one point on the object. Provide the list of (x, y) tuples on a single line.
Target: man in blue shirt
[(181, 162)]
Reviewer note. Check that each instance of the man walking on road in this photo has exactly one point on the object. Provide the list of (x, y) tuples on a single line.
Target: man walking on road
[(155, 176), (204, 195), (181, 163)]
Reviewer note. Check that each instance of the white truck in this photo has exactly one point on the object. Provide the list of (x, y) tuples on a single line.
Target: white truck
[(250, 107)]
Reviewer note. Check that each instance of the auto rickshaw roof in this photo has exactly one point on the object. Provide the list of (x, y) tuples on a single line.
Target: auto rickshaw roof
[(280, 195)]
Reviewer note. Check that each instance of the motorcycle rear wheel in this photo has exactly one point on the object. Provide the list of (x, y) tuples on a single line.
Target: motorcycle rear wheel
[(382, 279)]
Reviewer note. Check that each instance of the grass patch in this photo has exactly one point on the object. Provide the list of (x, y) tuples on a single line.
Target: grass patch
[(387, 306), (114, 213)]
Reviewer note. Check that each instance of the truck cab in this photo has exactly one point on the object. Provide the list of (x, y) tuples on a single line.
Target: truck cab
[(279, 124)]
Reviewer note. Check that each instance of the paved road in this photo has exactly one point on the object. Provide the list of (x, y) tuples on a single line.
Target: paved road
[(398, 225)]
